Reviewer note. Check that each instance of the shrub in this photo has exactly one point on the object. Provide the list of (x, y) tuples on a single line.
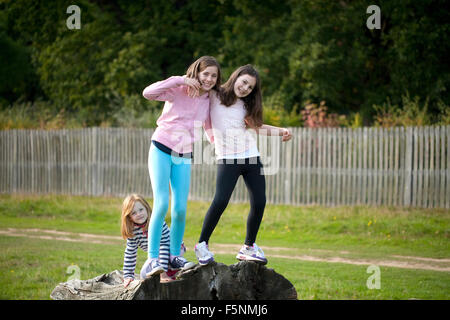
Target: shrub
[(411, 113), (317, 116)]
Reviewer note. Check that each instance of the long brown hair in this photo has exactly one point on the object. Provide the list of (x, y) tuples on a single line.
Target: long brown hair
[(201, 64), (127, 224), (252, 102)]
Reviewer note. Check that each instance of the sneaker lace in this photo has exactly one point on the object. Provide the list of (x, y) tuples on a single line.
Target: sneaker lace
[(180, 259), (258, 250), (154, 263)]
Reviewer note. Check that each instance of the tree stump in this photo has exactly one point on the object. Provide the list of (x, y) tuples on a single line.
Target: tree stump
[(217, 281)]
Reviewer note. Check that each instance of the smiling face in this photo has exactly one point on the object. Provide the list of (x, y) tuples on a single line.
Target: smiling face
[(244, 85), (139, 213), (208, 77)]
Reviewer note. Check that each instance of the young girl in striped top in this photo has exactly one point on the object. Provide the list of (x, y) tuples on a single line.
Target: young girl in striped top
[(134, 226), (236, 108), (186, 105)]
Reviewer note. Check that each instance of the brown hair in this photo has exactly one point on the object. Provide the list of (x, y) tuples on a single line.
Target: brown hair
[(201, 64), (127, 224), (252, 102)]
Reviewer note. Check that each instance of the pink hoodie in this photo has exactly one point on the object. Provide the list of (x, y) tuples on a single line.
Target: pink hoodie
[(180, 114)]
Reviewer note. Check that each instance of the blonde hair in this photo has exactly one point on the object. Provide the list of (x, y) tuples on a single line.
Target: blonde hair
[(201, 64), (127, 224)]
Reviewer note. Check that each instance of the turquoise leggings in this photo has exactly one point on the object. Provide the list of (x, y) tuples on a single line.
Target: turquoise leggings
[(166, 170)]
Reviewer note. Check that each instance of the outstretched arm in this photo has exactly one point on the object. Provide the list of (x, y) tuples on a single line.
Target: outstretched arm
[(268, 130)]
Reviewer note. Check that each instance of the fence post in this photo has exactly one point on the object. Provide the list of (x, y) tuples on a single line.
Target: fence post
[(94, 162), (408, 166)]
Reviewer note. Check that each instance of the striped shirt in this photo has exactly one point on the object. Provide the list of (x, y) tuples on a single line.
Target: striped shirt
[(140, 240)]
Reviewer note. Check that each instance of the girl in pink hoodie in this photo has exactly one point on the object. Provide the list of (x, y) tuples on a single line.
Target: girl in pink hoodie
[(169, 162)]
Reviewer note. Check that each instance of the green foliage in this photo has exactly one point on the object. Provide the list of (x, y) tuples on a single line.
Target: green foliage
[(19, 117), (276, 114), (72, 69), (39, 114), (305, 50), (15, 69), (133, 114), (444, 113), (411, 112)]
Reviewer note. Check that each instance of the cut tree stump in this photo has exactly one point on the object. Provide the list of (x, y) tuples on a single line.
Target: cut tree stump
[(217, 281)]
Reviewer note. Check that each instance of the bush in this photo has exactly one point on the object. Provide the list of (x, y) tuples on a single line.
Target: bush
[(275, 113), (444, 114), (317, 116), (410, 113), (137, 112), (39, 115)]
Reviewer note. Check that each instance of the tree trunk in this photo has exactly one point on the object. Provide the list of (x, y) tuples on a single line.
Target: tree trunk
[(217, 281)]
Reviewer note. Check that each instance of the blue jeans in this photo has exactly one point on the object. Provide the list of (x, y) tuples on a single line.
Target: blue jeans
[(166, 170)]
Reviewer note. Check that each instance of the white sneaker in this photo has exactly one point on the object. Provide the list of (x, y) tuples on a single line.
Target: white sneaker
[(253, 253), (151, 267), (204, 256)]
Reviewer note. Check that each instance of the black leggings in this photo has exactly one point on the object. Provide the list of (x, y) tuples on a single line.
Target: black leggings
[(227, 177)]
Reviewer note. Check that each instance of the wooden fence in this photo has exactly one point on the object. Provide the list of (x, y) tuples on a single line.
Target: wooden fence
[(331, 166)]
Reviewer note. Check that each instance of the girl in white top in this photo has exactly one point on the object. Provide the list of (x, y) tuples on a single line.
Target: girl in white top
[(235, 110), (231, 138)]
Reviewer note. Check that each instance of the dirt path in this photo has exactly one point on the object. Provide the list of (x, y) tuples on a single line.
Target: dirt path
[(396, 261)]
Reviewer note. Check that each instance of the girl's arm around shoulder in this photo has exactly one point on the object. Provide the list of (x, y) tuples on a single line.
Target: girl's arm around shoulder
[(212, 95), (161, 90), (207, 125)]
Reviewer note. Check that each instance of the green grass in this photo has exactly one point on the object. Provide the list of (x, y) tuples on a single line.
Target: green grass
[(31, 268)]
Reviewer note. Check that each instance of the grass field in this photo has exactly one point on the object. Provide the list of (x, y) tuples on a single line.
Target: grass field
[(301, 243)]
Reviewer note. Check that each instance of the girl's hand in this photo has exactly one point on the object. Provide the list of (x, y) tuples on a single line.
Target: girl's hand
[(194, 86), (287, 135), (126, 282)]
